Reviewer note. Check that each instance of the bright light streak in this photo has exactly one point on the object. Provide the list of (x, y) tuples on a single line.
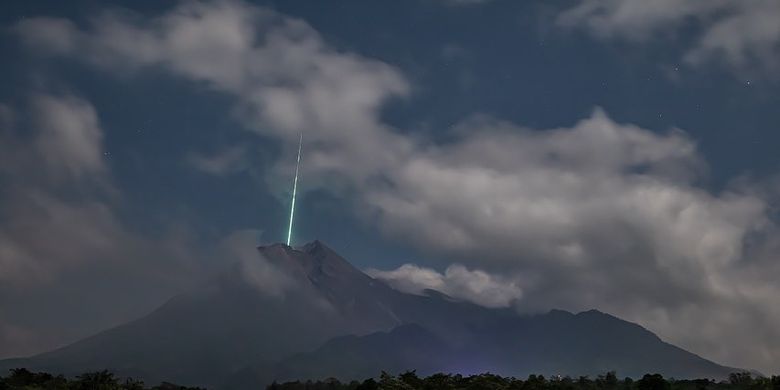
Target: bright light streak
[(295, 189)]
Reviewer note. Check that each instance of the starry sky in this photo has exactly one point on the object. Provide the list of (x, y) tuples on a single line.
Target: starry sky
[(617, 155)]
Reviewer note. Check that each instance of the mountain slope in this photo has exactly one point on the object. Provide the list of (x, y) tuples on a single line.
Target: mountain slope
[(555, 343), (308, 312), (407, 347)]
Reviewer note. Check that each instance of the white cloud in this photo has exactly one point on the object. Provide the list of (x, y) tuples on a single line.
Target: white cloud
[(70, 138), (42, 233), (457, 281), (64, 140), (749, 34), (285, 78), (599, 214), (742, 34), (252, 268)]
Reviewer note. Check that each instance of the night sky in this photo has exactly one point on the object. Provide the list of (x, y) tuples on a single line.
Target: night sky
[(610, 154)]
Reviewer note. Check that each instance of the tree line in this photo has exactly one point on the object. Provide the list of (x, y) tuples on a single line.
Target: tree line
[(23, 379), (609, 381)]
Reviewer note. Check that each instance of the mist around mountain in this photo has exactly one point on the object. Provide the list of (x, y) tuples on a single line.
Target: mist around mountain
[(307, 313)]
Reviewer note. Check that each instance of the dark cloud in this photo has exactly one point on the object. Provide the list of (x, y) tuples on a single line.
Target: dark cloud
[(67, 256)]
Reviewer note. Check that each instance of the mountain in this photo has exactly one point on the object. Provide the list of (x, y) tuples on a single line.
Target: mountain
[(308, 313), (406, 347), (556, 343)]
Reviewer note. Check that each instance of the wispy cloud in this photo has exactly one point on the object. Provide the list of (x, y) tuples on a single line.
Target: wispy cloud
[(457, 281), (743, 35)]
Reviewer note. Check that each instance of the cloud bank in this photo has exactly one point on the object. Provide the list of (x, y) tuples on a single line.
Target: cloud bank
[(598, 214), (65, 248), (285, 78)]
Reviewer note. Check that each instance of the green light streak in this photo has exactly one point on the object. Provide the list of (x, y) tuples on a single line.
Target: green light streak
[(295, 189)]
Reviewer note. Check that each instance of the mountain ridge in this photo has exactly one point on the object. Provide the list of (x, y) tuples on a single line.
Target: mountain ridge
[(235, 334)]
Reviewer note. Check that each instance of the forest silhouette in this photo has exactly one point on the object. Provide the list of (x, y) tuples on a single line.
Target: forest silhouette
[(23, 379)]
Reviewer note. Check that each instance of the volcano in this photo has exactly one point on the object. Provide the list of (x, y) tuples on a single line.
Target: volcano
[(307, 313)]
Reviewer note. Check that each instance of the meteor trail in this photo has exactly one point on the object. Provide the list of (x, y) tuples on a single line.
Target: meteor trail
[(295, 189)]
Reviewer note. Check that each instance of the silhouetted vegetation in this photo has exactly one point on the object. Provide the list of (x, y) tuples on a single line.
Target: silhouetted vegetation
[(21, 378), (103, 380), (410, 381)]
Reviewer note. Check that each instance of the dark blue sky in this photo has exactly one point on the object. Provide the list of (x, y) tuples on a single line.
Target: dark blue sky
[(514, 61)]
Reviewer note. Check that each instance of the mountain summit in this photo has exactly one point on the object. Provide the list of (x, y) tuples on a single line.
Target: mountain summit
[(316, 262), (332, 320)]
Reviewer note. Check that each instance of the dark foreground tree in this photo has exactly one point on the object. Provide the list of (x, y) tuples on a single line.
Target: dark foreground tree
[(23, 379), (411, 381), (653, 382)]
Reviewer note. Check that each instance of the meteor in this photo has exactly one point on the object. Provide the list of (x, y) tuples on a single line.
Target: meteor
[(295, 189)]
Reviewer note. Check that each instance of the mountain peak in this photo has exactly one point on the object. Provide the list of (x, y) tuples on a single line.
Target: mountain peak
[(311, 248), (315, 245), (314, 261), (327, 259), (320, 251)]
